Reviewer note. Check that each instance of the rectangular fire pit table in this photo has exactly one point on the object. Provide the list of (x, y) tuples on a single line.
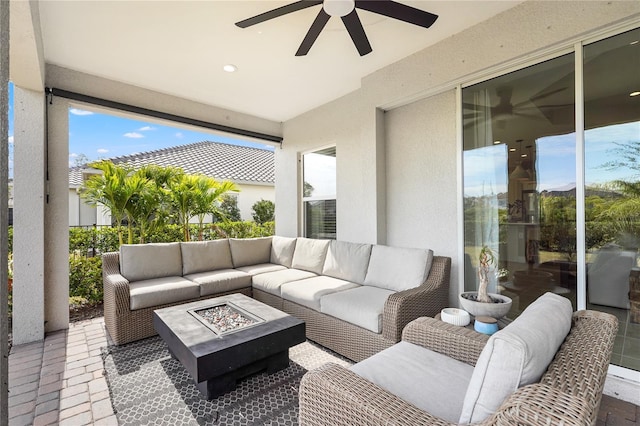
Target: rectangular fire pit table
[(215, 353)]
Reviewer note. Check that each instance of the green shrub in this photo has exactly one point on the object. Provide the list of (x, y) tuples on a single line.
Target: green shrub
[(85, 278), (263, 211)]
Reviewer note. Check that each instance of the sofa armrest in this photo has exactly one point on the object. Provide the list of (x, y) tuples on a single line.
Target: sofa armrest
[(456, 342), (426, 300), (116, 287), (540, 404), (334, 395)]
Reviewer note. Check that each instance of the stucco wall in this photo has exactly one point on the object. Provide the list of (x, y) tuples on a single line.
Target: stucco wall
[(250, 194), (422, 206), (411, 187)]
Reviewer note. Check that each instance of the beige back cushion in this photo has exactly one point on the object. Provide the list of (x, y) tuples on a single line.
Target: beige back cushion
[(398, 269), (282, 250), (203, 256), (145, 261), (347, 261), (517, 356), (309, 255), (250, 251)]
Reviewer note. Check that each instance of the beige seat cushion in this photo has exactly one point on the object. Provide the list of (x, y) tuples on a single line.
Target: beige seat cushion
[(517, 355), (347, 261), (361, 306), (308, 292), (202, 256), (282, 249), (159, 291), (139, 262), (430, 381), (260, 268), (398, 269), (250, 251), (271, 282), (220, 281), (309, 255)]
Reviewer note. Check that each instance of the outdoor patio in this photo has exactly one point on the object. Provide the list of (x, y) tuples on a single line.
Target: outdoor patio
[(61, 381)]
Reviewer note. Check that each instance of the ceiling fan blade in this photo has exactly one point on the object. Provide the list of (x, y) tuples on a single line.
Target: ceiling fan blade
[(313, 33), (293, 7), (540, 96), (356, 31), (399, 11)]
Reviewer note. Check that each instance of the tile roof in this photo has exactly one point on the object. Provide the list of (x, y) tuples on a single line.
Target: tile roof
[(222, 161)]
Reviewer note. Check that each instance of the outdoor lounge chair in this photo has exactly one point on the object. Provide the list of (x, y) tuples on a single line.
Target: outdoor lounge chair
[(568, 392)]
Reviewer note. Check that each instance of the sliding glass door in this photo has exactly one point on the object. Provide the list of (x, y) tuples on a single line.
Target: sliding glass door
[(519, 181), (520, 174), (612, 191)]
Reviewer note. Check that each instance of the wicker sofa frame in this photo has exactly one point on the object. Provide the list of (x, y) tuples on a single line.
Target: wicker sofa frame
[(123, 324), (356, 343), (569, 392)]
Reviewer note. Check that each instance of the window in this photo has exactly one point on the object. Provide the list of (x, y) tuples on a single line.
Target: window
[(521, 176), (612, 186), (319, 193)]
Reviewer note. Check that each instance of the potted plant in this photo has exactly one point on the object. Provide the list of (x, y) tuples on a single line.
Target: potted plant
[(482, 302)]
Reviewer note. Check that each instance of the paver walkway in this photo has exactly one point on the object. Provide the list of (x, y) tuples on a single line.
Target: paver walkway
[(60, 381)]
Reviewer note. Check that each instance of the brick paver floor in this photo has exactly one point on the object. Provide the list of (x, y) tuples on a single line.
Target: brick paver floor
[(60, 381)]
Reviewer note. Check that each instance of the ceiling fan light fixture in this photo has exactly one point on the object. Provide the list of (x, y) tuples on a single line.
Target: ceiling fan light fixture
[(338, 7)]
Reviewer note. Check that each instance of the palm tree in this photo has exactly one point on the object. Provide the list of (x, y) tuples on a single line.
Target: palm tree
[(183, 198), (207, 196), (155, 207), (142, 204), (109, 189)]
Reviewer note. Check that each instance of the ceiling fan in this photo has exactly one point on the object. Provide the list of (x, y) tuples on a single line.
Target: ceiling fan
[(345, 9), (505, 109)]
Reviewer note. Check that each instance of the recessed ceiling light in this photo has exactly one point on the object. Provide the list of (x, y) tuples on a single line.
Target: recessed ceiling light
[(634, 42), (230, 68), (523, 155), (634, 94), (512, 150), (497, 142)]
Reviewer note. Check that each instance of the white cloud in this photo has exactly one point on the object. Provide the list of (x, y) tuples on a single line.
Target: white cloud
[(73, 155), (102, 151), (10, 140), (179, 135), (133, 135), (76, 111), (146, 128)]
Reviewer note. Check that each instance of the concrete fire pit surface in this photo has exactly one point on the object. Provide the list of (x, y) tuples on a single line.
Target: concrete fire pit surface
[(216, 360)]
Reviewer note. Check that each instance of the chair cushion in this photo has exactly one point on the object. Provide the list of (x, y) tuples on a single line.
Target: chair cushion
[(159, 291), (220, 281), (361, 306), (260, 268), (201, 256), (282, 250), (431, 381), (396, 268), (347, 261), (309, 255), (139, 262), (517, 355), (250, 251), (271, 282), (308, 292)]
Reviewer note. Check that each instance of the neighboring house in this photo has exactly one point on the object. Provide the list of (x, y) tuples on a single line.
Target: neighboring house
[(251, 169)]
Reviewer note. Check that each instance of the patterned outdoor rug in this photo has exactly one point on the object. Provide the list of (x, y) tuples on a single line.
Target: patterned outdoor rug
[(147, 386)]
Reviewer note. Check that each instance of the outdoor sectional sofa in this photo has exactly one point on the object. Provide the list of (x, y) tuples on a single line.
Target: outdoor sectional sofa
[(354, 298)]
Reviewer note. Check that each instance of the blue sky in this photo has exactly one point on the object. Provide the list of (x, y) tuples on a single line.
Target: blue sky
[(103, 136), (486, 168)]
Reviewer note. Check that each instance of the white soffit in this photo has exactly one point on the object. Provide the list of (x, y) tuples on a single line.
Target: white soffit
[(180, 47)]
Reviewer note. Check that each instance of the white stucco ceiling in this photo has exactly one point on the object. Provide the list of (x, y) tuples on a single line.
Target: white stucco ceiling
[(180, 47)]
